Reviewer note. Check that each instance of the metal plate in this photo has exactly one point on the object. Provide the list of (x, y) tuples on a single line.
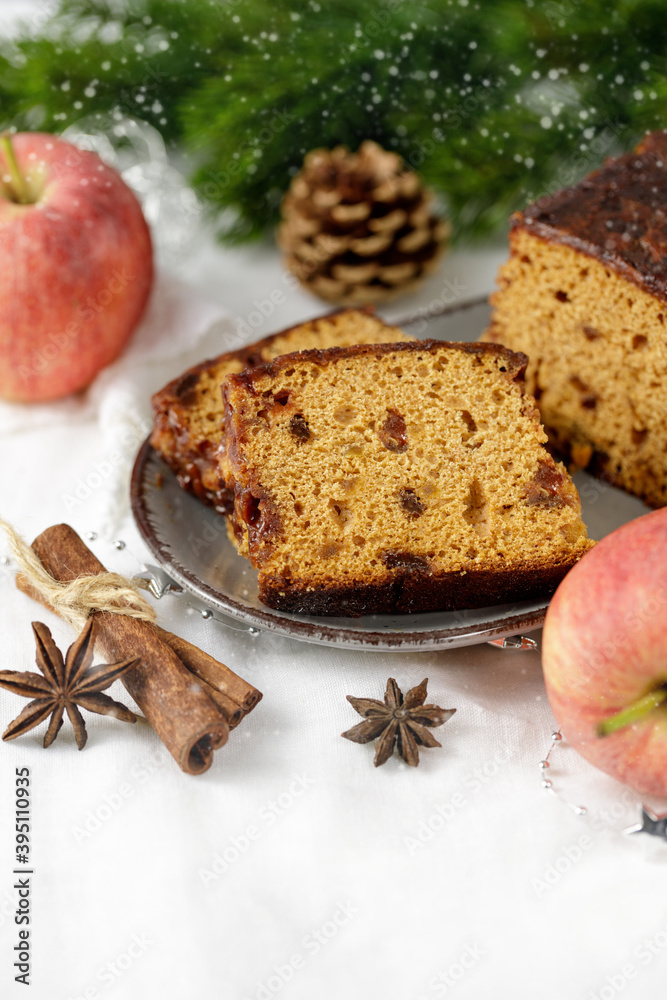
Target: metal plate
[(190, 541)]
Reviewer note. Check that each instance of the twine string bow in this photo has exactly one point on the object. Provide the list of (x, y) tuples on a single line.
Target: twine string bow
[(74, 601)]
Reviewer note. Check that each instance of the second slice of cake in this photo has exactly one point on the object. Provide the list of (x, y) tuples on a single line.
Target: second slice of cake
[(584, 294), (396, 478)]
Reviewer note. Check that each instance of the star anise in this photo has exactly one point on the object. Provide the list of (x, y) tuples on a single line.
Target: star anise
[(63, 686), (398, 720)]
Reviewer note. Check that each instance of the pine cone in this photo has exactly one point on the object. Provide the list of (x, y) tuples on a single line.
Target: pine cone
[(358, 227)]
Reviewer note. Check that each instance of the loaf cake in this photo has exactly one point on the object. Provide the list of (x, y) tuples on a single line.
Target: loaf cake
[(584, 295), (188, 412), (396, 478)]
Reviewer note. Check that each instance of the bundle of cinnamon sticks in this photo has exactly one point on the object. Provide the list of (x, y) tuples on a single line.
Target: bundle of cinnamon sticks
[(191, 700)]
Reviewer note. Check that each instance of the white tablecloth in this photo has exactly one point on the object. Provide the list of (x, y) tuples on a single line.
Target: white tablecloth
[(293, 868)]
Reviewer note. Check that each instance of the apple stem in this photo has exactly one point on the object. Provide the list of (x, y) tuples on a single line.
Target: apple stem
[(18, 188), (633, 713)]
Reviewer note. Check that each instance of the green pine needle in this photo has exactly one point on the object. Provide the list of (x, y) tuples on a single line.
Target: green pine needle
[(495, 102)]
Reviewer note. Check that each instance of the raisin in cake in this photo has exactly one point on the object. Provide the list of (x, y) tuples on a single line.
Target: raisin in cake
[(584, 294), (188, 412), (396, 478)]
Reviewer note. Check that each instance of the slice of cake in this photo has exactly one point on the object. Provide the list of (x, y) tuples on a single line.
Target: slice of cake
[(188, 412), (584, 294), (405, 477)]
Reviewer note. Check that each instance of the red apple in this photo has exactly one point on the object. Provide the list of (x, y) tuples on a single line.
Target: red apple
[(605, 654), (76, 266)]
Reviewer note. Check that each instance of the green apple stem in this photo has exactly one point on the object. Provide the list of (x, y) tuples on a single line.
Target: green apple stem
[(18, 188), (633, 713)]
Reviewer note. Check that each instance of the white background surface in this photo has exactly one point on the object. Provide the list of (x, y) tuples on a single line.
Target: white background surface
[(460, 878)]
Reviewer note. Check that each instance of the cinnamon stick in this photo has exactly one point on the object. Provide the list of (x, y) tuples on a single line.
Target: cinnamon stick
[(234, 696), (189, 723), (232, 712), (210, 670)]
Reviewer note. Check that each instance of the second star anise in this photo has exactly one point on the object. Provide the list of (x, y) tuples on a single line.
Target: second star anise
[(404, 722), (63, 686)]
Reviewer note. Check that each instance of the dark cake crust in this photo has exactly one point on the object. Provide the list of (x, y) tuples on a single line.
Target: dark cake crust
[(408, 592), (617, 215), (516, 361)]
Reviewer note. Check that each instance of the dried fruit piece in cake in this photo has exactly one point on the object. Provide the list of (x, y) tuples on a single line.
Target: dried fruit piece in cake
[(584, 295), (406, 477), (188, 412)]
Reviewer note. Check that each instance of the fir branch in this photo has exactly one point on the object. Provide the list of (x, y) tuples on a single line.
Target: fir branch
[(493, 102)]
